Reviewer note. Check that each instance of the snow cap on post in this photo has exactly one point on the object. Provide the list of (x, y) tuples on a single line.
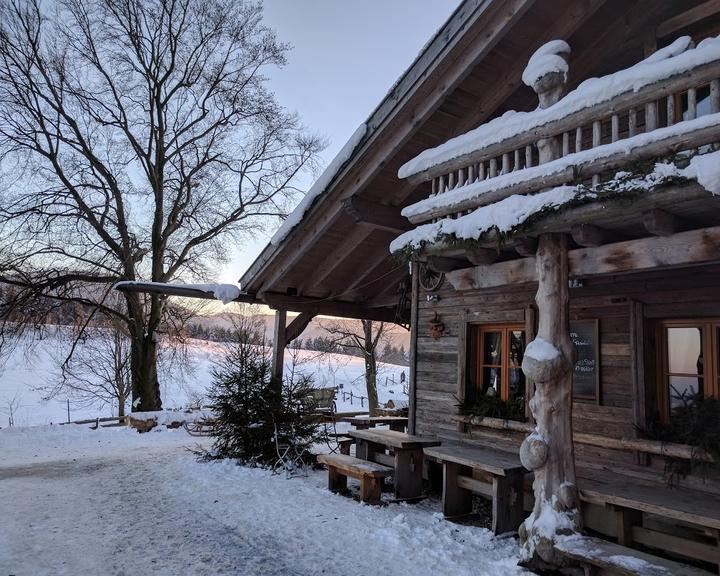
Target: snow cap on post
[(546, 71)]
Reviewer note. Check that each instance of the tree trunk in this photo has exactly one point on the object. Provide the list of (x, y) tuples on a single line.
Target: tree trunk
[(145, 385), (370, 367), (144, 353), (548, 451)]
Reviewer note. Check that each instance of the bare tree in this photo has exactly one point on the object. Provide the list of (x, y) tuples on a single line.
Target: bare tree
[(138, 140), (98, 373), (365, 337), (10, 407)]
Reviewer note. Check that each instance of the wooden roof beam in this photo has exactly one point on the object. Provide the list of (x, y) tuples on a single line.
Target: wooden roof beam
[(660, 223), (682, 249), (481, 256), (376, 215), (184, 291), (335, 258), (371, 275), (445, 264), (590, 235), (526, 246), (340, 309), (687, 18)]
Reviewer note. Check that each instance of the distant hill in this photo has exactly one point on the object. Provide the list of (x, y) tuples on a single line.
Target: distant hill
[(399, 336)]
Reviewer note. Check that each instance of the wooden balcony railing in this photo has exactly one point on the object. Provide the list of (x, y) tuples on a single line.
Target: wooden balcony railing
[(660, 107)]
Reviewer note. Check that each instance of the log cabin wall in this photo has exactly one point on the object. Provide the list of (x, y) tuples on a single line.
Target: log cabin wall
[(615, 302)]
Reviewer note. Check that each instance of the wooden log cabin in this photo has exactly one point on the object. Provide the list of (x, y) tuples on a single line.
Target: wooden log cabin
[(622, 174), (643, 241)]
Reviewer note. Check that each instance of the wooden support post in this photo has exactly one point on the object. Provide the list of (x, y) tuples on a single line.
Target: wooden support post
[(278, 352), (637, 360), (407, 479), (297, 326), (508, 511), (365, 450), (548, 451), (625, 520), (370, 488), (548, 362), (412, 370), (336, 482), (462, 362), (457, 501)]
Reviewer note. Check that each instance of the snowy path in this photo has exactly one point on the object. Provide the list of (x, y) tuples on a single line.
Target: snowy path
[(152, 508)]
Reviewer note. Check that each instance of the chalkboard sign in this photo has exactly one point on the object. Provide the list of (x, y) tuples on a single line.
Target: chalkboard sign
[(586, 375)]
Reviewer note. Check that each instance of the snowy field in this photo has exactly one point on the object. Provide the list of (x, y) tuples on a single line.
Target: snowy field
[(29, 371), (111, 501)]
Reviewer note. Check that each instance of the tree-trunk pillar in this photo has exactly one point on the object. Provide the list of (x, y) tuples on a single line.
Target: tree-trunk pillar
[(548, 451), (278, 351)]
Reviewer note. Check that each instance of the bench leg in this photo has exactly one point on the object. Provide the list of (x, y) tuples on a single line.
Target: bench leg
[(508, 511), (408, 473), (345, 448), (364, 450), (456, 501), (625, 520), (370, 490), (336, 482)]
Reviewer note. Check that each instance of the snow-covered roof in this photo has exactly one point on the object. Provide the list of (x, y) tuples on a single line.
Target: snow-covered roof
[(320, 186)]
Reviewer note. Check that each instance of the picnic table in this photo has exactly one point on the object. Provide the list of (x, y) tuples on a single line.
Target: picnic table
[(463, 464), (406, 458), (396, 423)]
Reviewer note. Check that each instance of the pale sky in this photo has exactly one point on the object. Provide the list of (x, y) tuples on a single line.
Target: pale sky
[(346, 55)]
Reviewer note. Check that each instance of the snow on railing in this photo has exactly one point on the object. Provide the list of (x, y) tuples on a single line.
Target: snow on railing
[(669, 102)]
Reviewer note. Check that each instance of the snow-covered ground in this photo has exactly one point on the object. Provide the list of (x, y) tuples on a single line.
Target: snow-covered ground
[(111, 501), (27, 373)]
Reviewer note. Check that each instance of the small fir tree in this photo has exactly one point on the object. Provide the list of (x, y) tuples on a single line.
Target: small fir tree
[(250, 411)]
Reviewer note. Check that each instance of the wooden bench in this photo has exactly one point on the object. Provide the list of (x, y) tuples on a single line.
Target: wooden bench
[(629, 498), (495, 474), (600, 557), (370, 474), (404, 452)]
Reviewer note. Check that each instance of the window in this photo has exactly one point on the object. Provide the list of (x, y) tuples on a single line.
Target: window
[(690, 361), (500, 350)]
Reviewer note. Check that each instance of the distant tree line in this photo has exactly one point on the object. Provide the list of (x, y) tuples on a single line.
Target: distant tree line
[(327, 344)]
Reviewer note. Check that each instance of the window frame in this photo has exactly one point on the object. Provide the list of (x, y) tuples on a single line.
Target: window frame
[(505, 329), (711, 359)]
